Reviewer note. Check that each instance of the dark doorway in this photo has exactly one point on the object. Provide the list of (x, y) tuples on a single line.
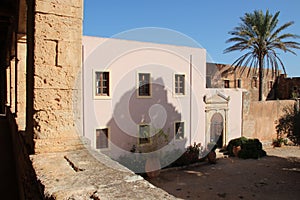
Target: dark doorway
[(216, 129)]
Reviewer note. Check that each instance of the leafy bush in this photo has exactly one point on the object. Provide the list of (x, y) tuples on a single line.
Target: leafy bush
[(250, 148), (234, 143), (175, 158), (278, 142), (190, 156), (289, 124)]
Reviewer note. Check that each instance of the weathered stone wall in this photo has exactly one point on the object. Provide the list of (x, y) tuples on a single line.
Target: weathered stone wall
[(260, 117), (60, 167), (246, 77), (57, 65), (288, 87)]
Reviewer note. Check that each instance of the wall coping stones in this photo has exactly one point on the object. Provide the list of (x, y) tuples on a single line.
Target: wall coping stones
[(88, 174)]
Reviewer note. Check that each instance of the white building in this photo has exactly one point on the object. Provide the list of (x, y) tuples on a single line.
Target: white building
[(134, 89)]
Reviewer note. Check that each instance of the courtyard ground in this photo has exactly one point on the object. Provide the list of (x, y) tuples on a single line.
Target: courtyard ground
[(276, 176)]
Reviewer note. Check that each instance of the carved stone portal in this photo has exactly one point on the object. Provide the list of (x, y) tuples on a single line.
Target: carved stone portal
[(216, 115)]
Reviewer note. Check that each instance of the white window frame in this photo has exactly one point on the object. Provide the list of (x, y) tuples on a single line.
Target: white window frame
[(95, 84), (175, 131), (175, 86), (138, 85), (138, 138)]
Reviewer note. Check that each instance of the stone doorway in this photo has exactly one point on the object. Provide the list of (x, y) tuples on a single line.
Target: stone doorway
[(216, 117), (216, 129)]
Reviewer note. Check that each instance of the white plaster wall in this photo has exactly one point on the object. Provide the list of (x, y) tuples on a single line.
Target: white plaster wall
[(234, 120), (124, 60), (234, 113)]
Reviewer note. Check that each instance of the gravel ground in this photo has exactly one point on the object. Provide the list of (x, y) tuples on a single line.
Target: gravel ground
[(276, 176)]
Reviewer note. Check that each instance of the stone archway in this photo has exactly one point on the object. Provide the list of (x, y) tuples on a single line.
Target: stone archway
[(216, 129)]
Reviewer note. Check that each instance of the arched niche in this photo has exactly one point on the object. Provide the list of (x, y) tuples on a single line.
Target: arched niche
[(216, 117)]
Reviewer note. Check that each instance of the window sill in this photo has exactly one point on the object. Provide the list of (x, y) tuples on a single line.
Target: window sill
[(102, 97)]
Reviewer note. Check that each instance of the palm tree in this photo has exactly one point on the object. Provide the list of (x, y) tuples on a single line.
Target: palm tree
[(259, 37)]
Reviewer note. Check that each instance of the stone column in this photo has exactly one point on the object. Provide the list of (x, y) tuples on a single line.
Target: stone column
[(56, 74), (21, 82)]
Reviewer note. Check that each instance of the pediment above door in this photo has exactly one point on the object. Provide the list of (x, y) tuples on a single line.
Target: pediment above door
[(216, 98)]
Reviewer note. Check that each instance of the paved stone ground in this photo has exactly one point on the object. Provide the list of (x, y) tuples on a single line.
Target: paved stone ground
[(85, 174), (8, 181), (276, 176)]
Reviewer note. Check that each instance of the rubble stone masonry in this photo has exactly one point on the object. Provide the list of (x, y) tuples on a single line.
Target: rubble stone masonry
[(57, 64)]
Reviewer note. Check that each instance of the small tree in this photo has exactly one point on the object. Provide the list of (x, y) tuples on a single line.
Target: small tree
[(289, 124)]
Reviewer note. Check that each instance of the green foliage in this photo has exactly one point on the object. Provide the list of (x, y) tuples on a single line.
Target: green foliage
[(289, 124), (234, 143), (259, 36), (158, 140), (250, 148), (191, 155), (136, 161), (278, 142)]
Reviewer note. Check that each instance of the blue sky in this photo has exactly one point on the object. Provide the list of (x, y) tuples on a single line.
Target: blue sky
[(206, 22)]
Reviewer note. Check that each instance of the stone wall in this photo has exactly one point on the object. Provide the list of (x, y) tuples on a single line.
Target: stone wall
[(56, 74), (260, 117), (44, 112), (243, 77), (288, 87)]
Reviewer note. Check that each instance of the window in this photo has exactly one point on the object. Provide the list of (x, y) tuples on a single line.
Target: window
[(226, 83), (179, 130), (179, 84), (102, 138), (102, 84), (144, 84), (144, 134), (270, 85), (208, 81), (254, 82), (239, 83)]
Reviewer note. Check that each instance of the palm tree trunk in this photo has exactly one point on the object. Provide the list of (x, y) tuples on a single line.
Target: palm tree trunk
[(261, 79)]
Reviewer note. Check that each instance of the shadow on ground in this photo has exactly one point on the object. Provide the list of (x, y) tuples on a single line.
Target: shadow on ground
[(270, 177)]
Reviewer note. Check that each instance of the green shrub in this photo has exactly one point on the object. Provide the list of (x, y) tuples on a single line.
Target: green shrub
[(278, 142), (190, 156), (252, 148), (235, 142), (288, 124)]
